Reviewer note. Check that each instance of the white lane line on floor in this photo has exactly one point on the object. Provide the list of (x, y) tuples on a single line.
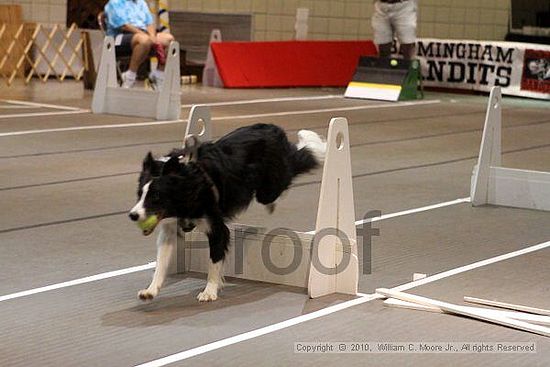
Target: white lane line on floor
[(241, 117), (364, 298), (40, 114), (266, 100), (152, 264), (17, 107), (91, 127), (36, 104), (71, 283), (323, 110), (472, 266), (256, 333), (409, 211)]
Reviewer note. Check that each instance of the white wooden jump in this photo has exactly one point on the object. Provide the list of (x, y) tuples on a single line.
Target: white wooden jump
[(161, 105), (327, 266), (210, 74), (493, 184), (199, 123)]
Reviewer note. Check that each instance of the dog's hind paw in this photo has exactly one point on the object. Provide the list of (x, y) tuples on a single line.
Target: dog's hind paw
[(208, 295), (146, 295)]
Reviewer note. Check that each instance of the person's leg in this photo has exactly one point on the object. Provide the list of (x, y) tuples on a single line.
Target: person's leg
[(383, 34), (404, 22), (384, 50), (164, 39), (157, 76), (407, 50), (141, 46)]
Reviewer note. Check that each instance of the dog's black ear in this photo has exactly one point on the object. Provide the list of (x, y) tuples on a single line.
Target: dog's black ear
[(150, 165), (148, 161), (172, 166)]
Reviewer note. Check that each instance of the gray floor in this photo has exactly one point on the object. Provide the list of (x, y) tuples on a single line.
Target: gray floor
[(64, 197)]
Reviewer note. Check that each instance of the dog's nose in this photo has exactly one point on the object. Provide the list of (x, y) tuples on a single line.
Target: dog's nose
[(134, 216)]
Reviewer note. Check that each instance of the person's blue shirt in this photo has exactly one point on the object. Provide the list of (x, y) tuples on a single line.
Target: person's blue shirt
[(133, 12)]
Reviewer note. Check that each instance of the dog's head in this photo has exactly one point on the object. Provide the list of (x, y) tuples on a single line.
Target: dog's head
[(169, 188)]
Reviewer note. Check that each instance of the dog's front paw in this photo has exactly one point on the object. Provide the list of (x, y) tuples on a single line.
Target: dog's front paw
[(146, 294), (208, 295)]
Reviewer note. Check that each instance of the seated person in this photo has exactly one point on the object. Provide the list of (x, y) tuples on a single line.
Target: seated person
[(131, 23)]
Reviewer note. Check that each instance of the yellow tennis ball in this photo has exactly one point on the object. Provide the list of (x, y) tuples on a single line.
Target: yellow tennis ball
[(148, 224), (393, 62)]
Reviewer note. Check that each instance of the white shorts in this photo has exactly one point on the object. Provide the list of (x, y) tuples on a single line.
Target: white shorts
[(398, 17)]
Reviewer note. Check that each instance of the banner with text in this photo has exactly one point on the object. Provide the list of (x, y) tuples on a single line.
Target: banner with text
[(521, 69)]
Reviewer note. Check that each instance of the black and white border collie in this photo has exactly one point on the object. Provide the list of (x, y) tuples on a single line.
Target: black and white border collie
[(207, 184)]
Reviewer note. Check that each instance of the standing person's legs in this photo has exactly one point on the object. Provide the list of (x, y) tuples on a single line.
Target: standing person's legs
[(383, 33), (404, 22), (384, 50), (408, 50)]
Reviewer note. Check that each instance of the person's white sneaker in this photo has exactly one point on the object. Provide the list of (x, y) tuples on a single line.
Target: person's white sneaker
[(157, 79), (127, 80)]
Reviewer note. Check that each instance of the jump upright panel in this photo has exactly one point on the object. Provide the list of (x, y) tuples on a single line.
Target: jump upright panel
[(493, 184), (334, 266), (199, 123), (210, 74), (161, 105)]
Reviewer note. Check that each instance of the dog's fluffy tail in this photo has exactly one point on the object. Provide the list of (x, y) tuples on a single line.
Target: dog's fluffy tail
[(311, 151)]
